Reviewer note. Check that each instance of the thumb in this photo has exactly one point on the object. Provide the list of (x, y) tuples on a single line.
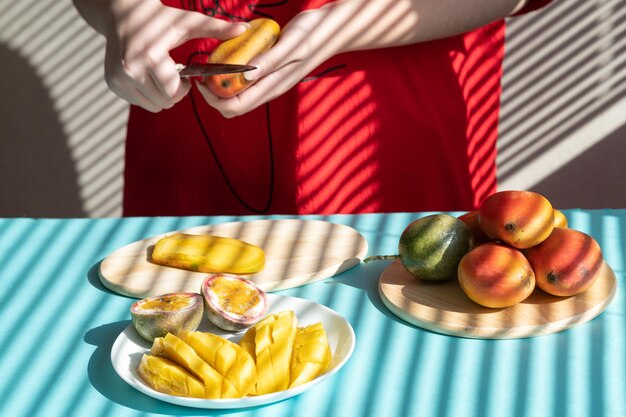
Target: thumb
[(198, 25)]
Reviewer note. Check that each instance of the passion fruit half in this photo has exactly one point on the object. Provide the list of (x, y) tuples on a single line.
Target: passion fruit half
[(168, 313), (233, 303)]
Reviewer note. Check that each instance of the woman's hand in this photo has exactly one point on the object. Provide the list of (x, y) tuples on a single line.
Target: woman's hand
[(140, 34), (301, 48)]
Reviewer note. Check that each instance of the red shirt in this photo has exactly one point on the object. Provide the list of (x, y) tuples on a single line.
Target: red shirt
[(409, 128)]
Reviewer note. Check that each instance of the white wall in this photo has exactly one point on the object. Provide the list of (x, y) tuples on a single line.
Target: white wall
[(563, 121), (53, 61)]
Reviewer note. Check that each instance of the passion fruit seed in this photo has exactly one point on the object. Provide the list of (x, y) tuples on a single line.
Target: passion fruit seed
[(165, 303)]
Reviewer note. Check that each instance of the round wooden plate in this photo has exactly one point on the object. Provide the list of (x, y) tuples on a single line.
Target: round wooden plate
[(443, 307), (297, 252)]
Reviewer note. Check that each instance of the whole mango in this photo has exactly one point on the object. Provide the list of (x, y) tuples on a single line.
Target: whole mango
[(261, 36), (566, 263), (471, 220), (495, 275), (560, 220), (520, 219), (431, 247)]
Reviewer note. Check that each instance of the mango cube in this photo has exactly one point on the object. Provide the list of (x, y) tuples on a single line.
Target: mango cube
[(167, 377), (311, 354), (229, 359), (173, 348)]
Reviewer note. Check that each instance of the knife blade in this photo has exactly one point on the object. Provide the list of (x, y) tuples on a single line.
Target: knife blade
[(200, 70)]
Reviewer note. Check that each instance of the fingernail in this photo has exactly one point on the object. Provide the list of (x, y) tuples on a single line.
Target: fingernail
[(252, 74), (243, 26)]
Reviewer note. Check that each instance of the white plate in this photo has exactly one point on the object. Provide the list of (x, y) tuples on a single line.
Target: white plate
[(129, 347)]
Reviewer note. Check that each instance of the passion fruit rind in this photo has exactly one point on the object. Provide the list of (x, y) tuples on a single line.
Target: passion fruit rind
[(235, 306), (168, 313)]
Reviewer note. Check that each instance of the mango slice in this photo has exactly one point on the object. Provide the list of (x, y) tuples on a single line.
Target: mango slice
[(167, 377), (247, 342), (228, 358), (273, 355), (173, 348), (206, 253), (311, 354), (274, 338)]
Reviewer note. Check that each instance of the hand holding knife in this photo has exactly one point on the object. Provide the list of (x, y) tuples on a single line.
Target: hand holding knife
[(202, 70)]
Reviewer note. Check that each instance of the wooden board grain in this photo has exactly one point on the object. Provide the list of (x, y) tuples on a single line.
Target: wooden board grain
[(443, 307), (297, 252)]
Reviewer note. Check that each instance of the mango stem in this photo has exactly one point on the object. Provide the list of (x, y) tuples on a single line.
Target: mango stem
[(380, 258)]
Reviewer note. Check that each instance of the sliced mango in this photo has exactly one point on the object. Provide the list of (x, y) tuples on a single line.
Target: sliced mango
[(231, 360), (274, 337), (167, 377), (272, 356), (247, 342), (173, 348), (311, 354), (206, 253)]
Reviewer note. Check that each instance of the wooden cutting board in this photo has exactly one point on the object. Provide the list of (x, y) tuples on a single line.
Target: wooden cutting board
[(443, 307), (297, 252)]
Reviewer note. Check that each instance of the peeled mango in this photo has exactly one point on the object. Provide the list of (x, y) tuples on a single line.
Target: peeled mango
[(168, 377), (173, 348), (286, 356), (228, 358), (271, 341), (207, 253), (273, 355), (311, 354)]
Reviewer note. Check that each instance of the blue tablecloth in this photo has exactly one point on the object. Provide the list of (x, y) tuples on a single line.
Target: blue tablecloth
[(58, 323)]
